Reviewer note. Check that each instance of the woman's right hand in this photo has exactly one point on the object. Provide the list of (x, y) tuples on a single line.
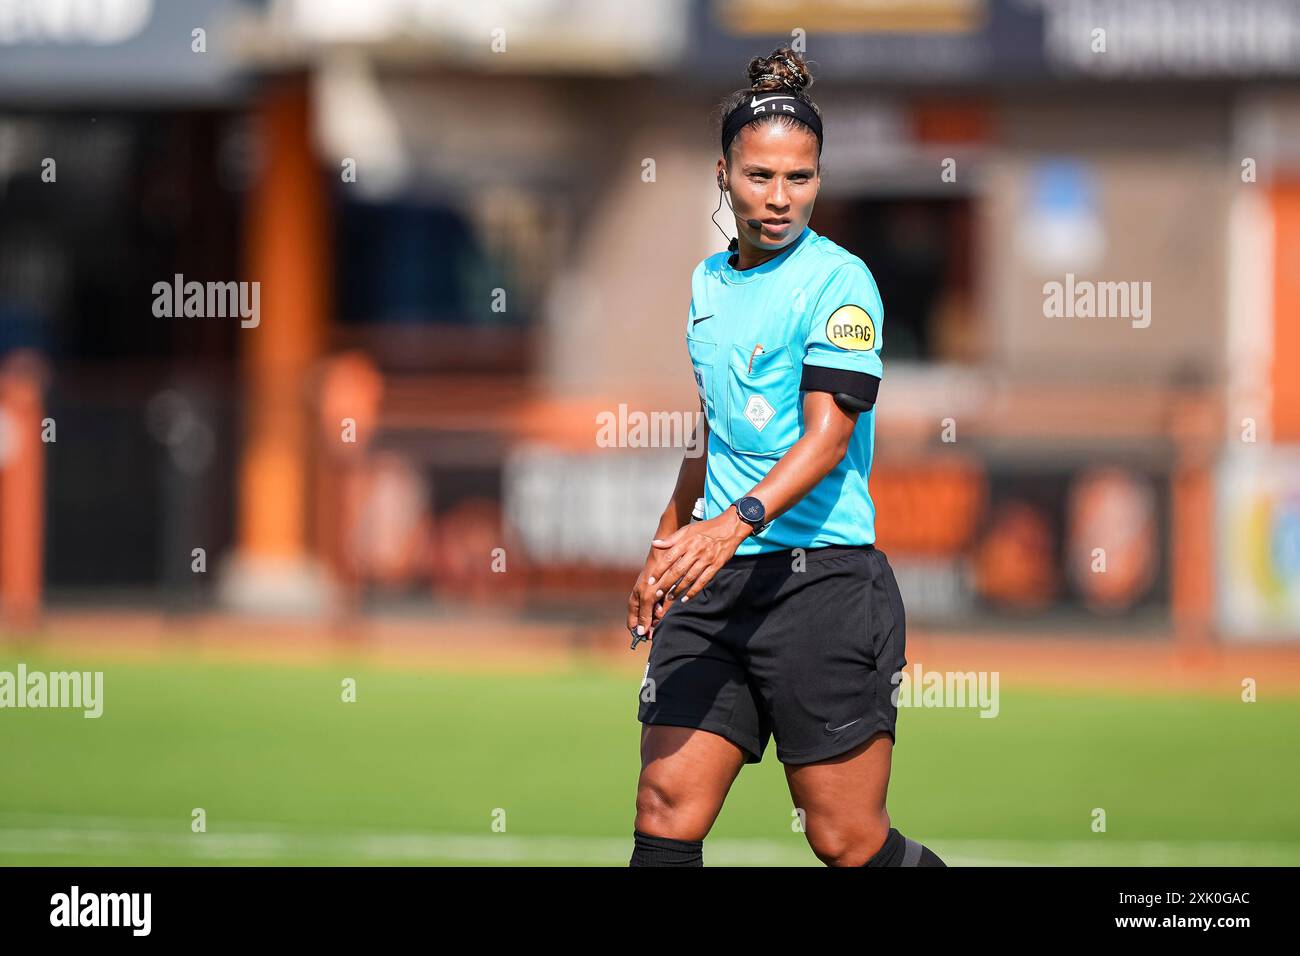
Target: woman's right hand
[(647, 604)]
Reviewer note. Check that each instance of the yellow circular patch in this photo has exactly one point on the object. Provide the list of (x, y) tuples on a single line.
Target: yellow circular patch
[(851, 328)]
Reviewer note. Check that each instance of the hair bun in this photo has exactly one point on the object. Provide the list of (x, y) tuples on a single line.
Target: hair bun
[(782, 69)]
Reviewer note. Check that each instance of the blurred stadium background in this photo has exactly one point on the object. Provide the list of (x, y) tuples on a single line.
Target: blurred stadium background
[(473, 227)]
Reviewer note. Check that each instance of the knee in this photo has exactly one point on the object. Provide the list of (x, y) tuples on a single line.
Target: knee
[(662, 811), (838, 849), (846, 846)]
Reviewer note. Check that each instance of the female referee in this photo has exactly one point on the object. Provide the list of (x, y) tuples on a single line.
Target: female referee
[(774, 616)]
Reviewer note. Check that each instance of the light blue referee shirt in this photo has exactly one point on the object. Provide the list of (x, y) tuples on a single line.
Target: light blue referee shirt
[(808, 319)]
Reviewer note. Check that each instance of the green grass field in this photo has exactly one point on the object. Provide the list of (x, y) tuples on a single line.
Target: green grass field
[(415, 769)]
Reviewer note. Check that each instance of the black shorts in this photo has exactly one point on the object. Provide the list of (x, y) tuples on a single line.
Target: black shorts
[(767, 649)]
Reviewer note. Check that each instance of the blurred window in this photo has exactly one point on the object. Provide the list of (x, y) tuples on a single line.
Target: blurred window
[(410, 263), (919, 251)]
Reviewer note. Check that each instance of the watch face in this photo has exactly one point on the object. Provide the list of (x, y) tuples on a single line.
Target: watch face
[(751, 509)]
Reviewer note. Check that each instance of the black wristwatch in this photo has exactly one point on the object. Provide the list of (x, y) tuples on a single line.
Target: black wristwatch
[(752, 512)]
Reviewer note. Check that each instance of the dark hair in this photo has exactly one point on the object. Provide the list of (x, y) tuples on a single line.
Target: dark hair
[(783, 69)]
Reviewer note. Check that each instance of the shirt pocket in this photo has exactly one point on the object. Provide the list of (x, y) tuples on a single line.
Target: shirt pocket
[(702, 350), (763, 410)]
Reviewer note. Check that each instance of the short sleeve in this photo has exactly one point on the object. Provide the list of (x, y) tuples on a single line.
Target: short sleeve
[(697, 280), (843, 336)]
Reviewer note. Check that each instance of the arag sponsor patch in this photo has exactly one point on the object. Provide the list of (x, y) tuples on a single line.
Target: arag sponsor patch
[(849, 327)]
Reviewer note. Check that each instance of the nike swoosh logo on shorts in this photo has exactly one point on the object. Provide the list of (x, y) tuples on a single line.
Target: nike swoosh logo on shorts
[(832, 730), (755, 102), (701, 319)]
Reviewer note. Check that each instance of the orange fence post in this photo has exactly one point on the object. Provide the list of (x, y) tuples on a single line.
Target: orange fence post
[(288, 253), (22, 490), (1285, 378), (351, 388), (1193, 568)]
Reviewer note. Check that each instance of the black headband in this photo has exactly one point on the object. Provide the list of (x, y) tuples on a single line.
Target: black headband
[(770, 104)]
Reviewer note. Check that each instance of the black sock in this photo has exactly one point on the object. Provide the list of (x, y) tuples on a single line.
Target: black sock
[(898, 850), (662, 851)]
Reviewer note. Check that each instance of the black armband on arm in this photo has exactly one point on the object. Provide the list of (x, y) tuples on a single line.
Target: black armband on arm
[(853, 391), (851, 403)]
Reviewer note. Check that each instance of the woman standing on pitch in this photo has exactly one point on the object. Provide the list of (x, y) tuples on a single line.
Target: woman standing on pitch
[(775, 615)]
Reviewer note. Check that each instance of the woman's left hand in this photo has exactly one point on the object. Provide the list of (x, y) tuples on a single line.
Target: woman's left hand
[(690, 557)]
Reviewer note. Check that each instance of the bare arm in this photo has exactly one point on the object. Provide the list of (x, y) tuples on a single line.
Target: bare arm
[(689, 557), (827, 430), (690, 483), (689, 487)]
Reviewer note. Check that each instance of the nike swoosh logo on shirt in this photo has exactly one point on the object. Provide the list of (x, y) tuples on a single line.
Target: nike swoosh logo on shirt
[(701, 319), (832, 730), (754, 101)]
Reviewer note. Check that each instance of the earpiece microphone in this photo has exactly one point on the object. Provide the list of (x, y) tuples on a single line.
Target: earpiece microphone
[(751, 223)]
